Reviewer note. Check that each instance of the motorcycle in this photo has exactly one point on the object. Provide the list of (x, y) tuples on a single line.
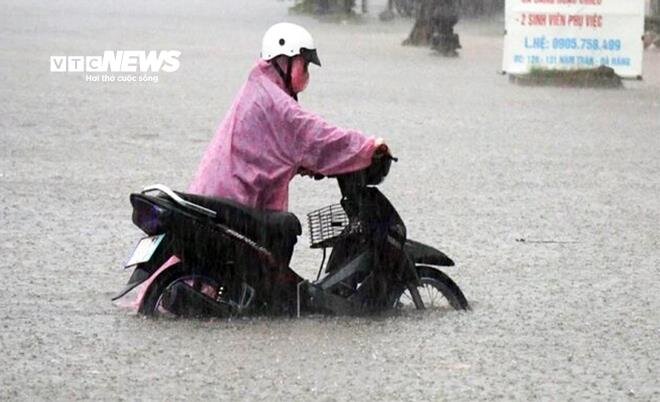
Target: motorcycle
[(232, 260)]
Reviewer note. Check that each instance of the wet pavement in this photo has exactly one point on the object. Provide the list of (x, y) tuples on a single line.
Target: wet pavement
[(548, 200)]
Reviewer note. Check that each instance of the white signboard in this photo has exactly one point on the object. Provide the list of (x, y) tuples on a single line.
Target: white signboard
[(574, 34)]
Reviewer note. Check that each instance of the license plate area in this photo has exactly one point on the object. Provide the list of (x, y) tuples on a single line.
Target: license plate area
[(144, 250)]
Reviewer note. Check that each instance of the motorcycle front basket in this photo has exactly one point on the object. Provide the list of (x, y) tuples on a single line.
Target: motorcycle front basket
[(326, 225)]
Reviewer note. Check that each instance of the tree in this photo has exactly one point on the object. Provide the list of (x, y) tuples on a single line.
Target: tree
[(422, 30)]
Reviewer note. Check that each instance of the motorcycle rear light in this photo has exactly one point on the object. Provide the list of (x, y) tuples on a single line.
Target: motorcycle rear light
[(149, 217)]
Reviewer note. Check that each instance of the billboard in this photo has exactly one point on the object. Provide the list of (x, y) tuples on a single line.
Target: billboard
[(574, 34)]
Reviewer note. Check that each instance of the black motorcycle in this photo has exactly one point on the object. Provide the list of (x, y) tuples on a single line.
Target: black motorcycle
[(233, 260)]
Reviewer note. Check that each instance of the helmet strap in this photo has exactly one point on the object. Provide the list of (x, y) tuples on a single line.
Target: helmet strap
[(286, 77)]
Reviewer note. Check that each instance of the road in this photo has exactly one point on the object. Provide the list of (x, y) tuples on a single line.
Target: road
[(571, 312)]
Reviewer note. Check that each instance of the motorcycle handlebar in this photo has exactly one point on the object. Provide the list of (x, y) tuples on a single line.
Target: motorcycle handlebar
[(380, 157)]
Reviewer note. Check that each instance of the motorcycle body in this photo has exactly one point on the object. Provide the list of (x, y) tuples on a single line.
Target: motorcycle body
[(232, 260)]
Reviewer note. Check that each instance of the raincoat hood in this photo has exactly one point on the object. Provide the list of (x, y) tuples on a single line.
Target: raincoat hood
[(265, 70)]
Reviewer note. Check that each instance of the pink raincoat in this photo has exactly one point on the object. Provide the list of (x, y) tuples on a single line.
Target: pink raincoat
[(265, 138), (260, 145)]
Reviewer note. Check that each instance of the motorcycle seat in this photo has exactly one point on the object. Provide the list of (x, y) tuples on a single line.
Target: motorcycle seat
[(258, 224)]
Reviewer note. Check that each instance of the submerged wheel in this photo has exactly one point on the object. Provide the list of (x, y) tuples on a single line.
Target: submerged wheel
[(154, 303), (436, 291)]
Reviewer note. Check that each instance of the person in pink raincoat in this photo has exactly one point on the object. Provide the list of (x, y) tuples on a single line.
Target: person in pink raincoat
[(266, 138)]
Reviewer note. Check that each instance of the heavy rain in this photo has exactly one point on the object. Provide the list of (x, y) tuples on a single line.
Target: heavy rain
[(546, 197)]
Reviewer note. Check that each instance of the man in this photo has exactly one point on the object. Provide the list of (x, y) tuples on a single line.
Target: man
[(266, 138)]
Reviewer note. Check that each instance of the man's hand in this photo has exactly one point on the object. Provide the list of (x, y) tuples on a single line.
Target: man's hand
[(381, 148)]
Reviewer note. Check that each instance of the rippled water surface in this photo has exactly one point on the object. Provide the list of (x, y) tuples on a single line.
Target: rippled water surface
[(571, 312)]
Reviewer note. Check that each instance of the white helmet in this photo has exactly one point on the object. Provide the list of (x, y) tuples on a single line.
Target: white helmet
[(289, 40)]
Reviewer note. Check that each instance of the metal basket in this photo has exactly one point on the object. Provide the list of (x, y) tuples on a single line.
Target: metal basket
[(326, 225)]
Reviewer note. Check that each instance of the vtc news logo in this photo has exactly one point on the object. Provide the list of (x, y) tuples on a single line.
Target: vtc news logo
[(118, 61)]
